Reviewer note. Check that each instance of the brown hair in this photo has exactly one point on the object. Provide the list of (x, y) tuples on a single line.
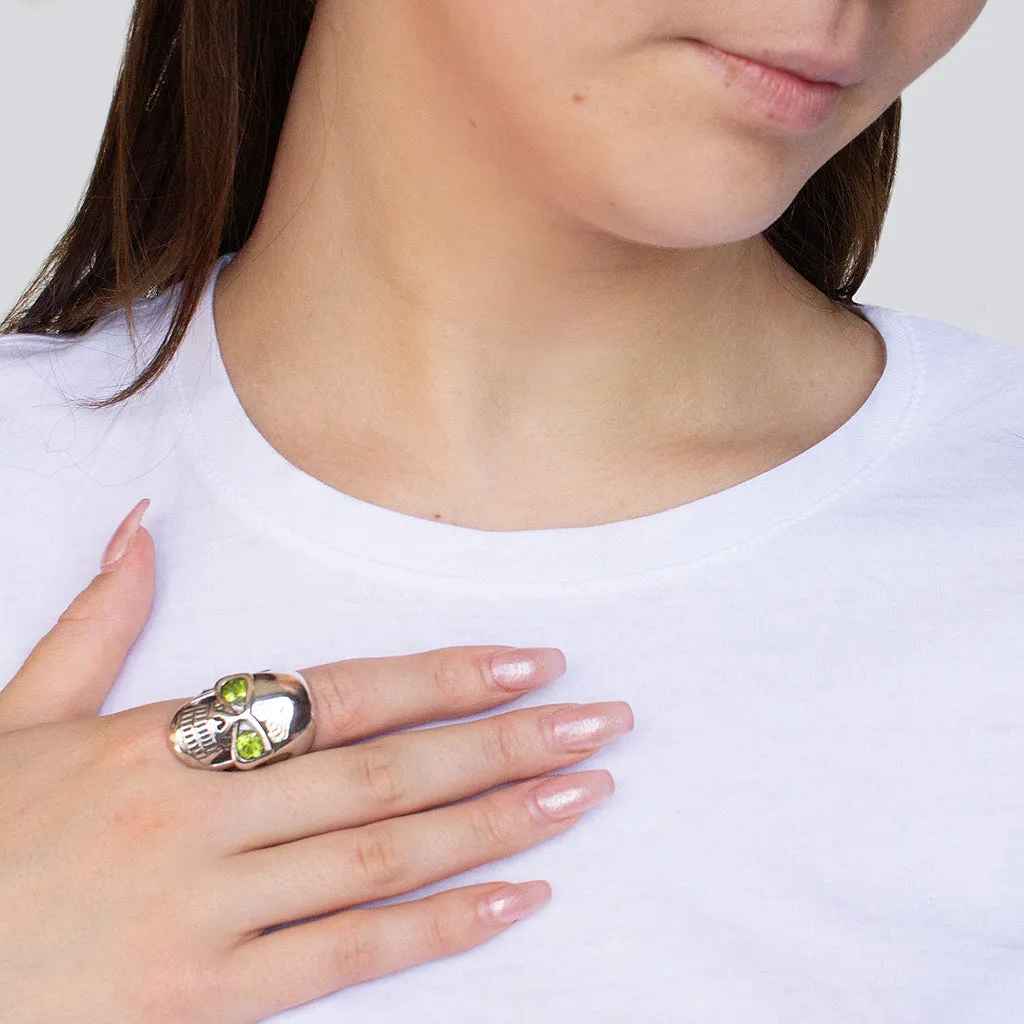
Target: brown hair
[(189, 144)]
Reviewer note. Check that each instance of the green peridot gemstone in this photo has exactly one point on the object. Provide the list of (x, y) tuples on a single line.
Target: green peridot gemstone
[(249, 746), (235, 690)]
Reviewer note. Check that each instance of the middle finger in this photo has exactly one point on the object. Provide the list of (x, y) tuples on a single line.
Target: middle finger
[(413, 771)]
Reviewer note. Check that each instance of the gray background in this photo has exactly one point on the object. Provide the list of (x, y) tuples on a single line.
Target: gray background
[(952, 248)]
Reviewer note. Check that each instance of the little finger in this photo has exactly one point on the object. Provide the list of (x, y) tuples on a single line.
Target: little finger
[(297, 965)]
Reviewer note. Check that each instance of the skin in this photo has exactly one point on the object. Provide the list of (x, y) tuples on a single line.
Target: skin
[(508, 268), (112, 829), (509, 271)]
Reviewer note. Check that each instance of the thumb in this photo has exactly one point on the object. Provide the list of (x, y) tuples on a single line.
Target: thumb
[(70, 671)]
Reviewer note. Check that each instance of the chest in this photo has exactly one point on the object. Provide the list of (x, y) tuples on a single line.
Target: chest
[(817, 816)]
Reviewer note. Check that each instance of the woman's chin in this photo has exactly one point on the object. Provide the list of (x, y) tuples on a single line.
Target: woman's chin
[(692, 219), (718, 199)]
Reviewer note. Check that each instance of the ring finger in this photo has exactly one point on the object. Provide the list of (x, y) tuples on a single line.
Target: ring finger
[(342, 869)]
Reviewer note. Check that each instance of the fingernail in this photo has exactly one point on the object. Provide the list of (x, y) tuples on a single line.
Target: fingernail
[(589, 725), (514, 902), (121, 542), (568, 795), (523, 669)]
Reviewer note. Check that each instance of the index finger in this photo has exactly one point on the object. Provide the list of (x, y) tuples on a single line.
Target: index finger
[(364, 697)]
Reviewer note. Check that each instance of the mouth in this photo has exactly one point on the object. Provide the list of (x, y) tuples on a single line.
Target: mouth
[(792, 92), (810, 67)]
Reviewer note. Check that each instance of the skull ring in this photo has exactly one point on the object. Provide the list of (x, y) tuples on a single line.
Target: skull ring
[(245, 721)]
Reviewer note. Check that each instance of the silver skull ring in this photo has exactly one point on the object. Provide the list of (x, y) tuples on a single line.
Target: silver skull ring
[(245, 721)]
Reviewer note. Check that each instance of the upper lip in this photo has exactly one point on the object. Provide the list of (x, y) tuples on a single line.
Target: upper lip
[(813, 67)]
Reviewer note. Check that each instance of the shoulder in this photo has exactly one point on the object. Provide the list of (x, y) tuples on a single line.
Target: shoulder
[(85, 366), (966, 381), (956, 465), (49, 384)]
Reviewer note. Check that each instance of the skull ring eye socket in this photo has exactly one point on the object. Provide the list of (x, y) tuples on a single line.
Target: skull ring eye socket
[(249, 745), (233, 691)]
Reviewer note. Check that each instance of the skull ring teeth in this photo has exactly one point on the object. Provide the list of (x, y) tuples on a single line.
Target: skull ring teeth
[(245, 721)]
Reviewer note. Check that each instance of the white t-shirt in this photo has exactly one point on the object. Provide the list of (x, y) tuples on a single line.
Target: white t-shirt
[(827, 661)]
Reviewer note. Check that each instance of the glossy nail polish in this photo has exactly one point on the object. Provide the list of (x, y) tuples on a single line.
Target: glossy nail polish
[(588, 726), (121, 542), (565, 796), (523, 669), (515, 902)]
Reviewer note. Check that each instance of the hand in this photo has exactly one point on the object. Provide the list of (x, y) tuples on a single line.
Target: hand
[(135, 888)]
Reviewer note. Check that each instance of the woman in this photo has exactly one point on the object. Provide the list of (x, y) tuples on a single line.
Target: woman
[(470, 322)]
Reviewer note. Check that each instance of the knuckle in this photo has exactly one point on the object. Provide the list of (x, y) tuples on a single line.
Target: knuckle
[(356, 955), (174, 993), (494, 828), (142, 823), (503, 747), (127, 746), (454, 677), (140, 797), (131, 746), (378, 770), (82, 623), (344, 703), (378, 858), (444, 933), (115, 750)]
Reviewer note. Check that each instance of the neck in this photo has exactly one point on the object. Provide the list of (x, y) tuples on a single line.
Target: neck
[(426, 332)]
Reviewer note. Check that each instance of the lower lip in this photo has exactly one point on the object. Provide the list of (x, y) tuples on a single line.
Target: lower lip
[(784, 100)]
